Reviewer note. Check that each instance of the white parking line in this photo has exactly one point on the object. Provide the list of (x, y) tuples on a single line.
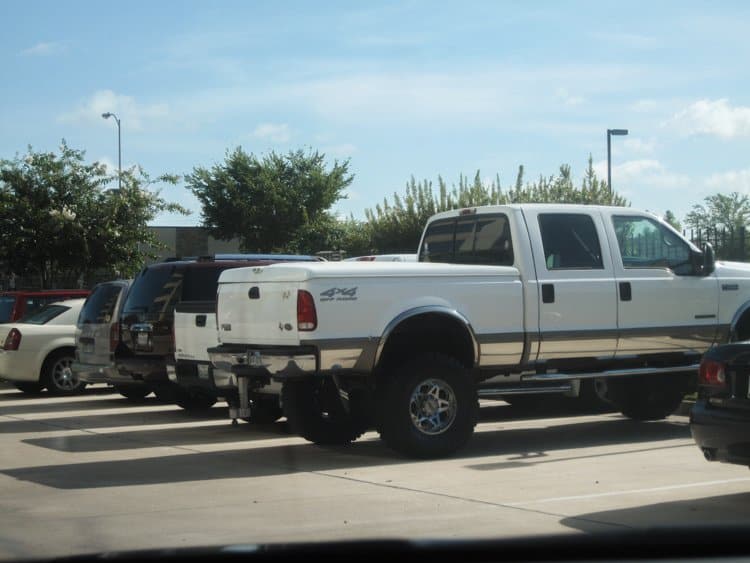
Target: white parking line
[(631, 491)]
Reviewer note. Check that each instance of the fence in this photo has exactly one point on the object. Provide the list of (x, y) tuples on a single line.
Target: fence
[(729, 244)]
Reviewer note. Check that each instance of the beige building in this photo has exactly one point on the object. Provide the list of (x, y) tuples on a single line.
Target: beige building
[(190, 241)]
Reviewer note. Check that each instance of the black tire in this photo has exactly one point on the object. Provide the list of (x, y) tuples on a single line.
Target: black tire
[(194, 399), (165, 393), (57, 375), (133, 393), (29, 387), (650, 397), (314, 411), (411, 391), (265, 409)]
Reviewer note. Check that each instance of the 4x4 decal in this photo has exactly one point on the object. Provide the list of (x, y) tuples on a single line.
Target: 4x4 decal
[(339, 294)]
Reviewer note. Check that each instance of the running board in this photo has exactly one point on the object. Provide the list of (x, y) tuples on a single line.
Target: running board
[(500, 391), (609, 373)]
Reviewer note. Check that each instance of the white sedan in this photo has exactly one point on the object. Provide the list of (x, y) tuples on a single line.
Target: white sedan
[(39, 349)]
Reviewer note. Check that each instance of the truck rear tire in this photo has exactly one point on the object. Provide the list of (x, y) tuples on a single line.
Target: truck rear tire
[(314, 411), (649, 397), (265, 409), (428, 407)]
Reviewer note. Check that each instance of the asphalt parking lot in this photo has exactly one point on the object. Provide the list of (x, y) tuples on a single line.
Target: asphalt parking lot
[(94, 472)]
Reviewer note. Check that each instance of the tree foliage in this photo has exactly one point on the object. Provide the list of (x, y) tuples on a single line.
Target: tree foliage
[(720, 211), (397, 226), (274, 203), (58, 220), (670, 218)]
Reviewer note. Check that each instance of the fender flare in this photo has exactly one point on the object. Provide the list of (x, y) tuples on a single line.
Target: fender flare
[(428, 309), (744, 308)]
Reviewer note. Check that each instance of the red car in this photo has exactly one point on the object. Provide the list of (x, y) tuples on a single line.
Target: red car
[(17, 304)]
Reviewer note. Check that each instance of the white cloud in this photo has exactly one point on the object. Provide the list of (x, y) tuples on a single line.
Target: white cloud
[(731, 181), (639, 146), (45, 49), (275, 132), (133, 115), (568, 99), (712, 117), (642, 173)]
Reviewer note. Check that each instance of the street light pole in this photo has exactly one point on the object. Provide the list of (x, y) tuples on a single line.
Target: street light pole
[(107, 115), (611, 132)]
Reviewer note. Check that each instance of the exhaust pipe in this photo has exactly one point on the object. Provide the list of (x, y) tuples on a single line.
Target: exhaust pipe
[(709, 454)]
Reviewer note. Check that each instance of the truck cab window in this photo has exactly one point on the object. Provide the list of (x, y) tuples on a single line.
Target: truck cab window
[(570, 242), (645, 243), (478, 239)]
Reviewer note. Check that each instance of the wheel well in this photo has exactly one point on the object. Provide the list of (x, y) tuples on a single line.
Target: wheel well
[(741, 331), (428, 332), (56, 352)]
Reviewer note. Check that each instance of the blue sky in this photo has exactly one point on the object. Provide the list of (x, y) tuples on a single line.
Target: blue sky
[(401, 88)]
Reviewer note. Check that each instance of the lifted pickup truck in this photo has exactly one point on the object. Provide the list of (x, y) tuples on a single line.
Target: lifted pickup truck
[(504, 300)]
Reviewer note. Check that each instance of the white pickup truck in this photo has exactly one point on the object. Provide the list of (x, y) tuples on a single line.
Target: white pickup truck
[(504, 300)]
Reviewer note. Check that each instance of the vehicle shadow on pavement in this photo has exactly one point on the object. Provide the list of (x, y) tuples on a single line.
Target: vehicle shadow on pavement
[(284, 459), (699, 513), (165, 414), (112, 402), (181, 436)]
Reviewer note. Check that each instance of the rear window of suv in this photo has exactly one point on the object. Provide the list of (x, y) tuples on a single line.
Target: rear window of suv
[(100, 306), (6, 308), (158, 289)]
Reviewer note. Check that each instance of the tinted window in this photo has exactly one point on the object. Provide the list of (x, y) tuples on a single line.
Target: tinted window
[(479, 239), (154, 290), (6, 308), (44, 315), (201, 283), (438, 242), (644, 243), (100, 306), (570, 242)]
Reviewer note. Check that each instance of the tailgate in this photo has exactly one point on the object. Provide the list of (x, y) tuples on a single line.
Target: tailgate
[(194, 330), (258, 313)]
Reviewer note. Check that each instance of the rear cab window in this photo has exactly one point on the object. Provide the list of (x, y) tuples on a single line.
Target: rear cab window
[(476, 239)]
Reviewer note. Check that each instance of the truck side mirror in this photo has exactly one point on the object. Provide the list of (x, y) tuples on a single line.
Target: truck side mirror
[(709, 259)]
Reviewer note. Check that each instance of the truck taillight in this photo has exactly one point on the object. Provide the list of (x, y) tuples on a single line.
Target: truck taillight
[(13, 340), (307, 318), (114, 337), (712, 373)]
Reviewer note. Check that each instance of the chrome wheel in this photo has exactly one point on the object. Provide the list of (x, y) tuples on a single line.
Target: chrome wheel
[(432, 406), (62, 375)]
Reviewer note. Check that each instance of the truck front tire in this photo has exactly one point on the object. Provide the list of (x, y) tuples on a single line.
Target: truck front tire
[(648, 397), (315, 412), (428, 407)]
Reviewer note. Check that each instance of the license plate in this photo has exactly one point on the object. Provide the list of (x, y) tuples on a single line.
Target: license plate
[(203, 371), (142, 339), (88, 348)]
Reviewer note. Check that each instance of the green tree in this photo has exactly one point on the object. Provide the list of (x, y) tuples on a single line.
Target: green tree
[(58, 220), (397, 226), (274, 203), (670, 218), (720, 211)]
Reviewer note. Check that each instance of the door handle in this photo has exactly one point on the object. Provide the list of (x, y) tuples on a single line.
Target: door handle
[(626, 293), (200, 320), (548, 293)]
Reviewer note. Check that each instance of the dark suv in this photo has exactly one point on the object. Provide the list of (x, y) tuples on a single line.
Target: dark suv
[(147, 318)]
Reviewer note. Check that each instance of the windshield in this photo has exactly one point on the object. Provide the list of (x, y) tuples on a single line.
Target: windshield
[(44, 315), (7, 303), (546, 205)]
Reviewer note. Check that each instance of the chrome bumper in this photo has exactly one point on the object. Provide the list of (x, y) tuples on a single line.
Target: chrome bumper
[(261, 362)]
